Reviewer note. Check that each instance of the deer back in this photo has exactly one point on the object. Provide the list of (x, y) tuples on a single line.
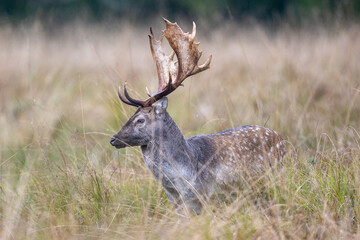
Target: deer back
[(235, 151)]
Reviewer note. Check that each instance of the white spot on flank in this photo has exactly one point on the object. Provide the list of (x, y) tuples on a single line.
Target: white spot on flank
[(277, 145)]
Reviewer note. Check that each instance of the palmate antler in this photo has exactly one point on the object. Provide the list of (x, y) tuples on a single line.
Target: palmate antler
[(171, 73)]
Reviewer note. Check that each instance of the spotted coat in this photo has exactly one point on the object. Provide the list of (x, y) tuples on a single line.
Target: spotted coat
[(248, 148)]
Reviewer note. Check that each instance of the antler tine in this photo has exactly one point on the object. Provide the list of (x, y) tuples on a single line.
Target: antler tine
[(148, 92), (132, 100), (159, 94), (193, 33), (202, 67), (124, 100)]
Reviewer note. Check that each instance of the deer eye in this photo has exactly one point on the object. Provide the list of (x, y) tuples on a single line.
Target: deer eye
[(141, 120)]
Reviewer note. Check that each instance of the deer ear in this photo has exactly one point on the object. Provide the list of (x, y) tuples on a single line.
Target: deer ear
[(161, 106)]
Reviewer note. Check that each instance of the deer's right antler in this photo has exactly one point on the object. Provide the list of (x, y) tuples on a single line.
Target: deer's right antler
[(171, 73)]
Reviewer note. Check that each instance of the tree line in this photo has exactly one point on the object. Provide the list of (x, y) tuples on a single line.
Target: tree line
[(141, 10)]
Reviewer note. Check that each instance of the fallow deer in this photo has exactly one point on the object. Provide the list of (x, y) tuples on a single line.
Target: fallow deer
[(190, 170)]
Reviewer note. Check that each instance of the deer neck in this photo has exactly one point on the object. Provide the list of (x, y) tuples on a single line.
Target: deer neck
[(167, 150)]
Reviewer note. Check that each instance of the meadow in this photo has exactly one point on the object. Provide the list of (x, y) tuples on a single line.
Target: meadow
[(61, 179)]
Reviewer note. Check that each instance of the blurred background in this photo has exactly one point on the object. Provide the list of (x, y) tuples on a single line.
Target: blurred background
[(290, 65)]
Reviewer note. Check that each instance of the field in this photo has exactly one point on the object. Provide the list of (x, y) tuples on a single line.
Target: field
[(61, 179)]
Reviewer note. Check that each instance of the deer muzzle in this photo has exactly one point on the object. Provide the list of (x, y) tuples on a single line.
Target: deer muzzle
[(117, 142)]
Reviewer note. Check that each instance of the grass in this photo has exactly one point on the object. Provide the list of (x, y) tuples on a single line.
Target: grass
[(61, 179)]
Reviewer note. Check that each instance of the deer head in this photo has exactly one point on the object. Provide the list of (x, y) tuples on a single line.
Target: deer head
[(141, 126)]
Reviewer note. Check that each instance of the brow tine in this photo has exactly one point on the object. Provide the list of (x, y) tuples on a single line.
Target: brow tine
[(124, 100)]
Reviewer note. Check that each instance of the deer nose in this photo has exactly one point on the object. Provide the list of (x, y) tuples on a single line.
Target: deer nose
[(112, 141)]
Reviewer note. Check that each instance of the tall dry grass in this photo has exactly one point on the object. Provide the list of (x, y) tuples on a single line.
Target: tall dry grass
[(61, 179)]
